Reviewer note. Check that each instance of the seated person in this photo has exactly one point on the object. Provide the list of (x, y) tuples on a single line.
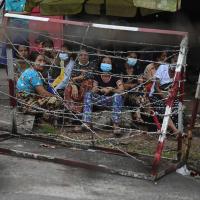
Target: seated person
[(50, 56), (64, 58), (163, 80), (132, 60), (105, 93), (22, 63), (48, 51), (81, 82), (39, 40), (132, 98), (150, 70), (30, 87)]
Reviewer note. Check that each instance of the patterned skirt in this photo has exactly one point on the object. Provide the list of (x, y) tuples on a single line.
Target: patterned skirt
[(76, 104), (32, 104)]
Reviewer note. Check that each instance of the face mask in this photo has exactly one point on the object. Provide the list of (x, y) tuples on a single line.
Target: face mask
[(131, 61), (63, 56), (105, 67)]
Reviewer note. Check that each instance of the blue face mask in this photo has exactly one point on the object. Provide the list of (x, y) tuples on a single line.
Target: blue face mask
[(105, 67), (131, 61), (63, 56)]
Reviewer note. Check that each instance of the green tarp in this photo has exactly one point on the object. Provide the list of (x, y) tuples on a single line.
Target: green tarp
[(121, 8), (164, 5), (94, 7), (58, 7)]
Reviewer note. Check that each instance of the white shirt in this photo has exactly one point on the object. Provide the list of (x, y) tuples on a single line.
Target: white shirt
[(162, 74)]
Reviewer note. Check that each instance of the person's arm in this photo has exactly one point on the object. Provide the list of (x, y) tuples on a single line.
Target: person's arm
[(95, 88), (36, 82), (120, 87), (42, 92), (128, 86), (158, 90), (78, 78)]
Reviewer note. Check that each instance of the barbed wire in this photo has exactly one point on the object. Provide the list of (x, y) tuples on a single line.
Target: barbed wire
[(113, 52), (134, 109), (58, 114), (95, 54), (92, 131)]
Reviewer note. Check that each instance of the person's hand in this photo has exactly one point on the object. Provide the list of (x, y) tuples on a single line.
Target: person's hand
[(74, 91), (106, 90), (140, 80), (95, 89)]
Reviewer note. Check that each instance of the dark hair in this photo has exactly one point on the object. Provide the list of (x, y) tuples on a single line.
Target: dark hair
[(48, 43), (40, 38), (84, 49), (16, 54), (158, 52), (130, 52), (66, 45), (33, 56)]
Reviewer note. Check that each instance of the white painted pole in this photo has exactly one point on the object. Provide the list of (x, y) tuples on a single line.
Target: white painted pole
[(197, 95), (11, 80), (181, 86)]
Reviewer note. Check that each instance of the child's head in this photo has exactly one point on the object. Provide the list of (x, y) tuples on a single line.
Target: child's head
[(38, 61), (22, 51)]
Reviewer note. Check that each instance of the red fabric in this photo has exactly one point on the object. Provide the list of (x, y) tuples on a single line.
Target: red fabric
[(148, 86), (76, 104)]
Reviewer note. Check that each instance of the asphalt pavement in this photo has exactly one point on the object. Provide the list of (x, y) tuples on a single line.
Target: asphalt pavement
[(25, 179)]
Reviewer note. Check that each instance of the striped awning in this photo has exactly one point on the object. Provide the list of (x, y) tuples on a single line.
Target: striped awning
[(121, 8)]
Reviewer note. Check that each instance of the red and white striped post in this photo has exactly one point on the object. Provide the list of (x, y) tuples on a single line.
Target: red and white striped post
[(173, 93), (94, 25)]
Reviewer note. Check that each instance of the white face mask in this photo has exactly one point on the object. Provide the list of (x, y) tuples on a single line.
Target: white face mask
[(132, 61), (63, 56)]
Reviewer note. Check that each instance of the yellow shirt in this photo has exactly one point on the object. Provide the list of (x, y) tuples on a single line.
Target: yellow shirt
[(60, 78)]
